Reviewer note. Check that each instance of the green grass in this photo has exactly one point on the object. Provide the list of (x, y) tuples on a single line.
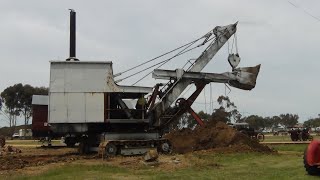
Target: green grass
[(271, 138), (298, 148), (81, 172), (231, 166)]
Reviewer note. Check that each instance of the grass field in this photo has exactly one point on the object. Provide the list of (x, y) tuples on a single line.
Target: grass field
[(286, 164), (271, 138)]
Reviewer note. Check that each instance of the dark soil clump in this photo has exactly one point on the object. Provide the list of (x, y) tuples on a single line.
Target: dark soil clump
[(13, 162), (214, 134)]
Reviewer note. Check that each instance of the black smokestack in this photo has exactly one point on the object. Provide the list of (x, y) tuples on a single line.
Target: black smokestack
[(72, 54)]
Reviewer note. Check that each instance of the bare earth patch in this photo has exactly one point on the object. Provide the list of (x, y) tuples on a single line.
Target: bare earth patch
[(214, 135)]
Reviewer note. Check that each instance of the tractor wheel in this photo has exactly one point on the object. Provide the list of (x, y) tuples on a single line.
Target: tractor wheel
[(70, 141), (260, 137), (294, 137), (165, 148), (312, 170), (300, 137)]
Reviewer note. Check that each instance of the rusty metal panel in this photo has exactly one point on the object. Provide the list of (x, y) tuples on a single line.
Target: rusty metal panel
[(94, 107), (40, 117)]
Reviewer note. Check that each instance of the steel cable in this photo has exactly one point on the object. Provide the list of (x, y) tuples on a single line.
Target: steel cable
[(161, 63), (118, 74)]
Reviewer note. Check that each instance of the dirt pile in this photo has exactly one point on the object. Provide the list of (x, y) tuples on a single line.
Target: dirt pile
[(14, 162), (9, 150), (214, 134)]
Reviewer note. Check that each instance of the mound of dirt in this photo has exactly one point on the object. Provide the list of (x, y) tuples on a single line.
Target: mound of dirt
[(12, 162), (214, 134)]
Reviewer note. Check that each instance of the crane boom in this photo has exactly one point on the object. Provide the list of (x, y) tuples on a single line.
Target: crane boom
[(222, 34)]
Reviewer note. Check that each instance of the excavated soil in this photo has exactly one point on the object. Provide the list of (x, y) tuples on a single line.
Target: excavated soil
[(214, 135), (33, 161), (30, 157)]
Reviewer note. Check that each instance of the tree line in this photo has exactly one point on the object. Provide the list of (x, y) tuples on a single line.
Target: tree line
[(313, 122), (16, 101), (228, 113)]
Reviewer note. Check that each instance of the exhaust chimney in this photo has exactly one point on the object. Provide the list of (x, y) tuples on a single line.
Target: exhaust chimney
[(72, 52)]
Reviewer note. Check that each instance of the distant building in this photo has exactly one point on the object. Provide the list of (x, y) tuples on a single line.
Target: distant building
[(25, 133)]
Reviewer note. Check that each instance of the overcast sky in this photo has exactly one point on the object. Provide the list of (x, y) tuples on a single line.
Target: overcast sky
[(282, 36)]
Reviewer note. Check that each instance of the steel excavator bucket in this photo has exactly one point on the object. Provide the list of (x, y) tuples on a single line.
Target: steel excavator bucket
[(246, 77)]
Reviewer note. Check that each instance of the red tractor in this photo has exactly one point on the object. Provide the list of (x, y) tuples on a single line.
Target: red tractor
[(311, 158)]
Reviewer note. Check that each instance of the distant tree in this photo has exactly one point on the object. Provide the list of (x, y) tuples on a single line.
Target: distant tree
[(204, 116), (220, 114), (227, 111), (26, 100), (191, 122), (257, 122), (18, 99), (187, 121), (12, 99), (275, 120), (41, 91), (313, 122), (179, 123), (288, 120)]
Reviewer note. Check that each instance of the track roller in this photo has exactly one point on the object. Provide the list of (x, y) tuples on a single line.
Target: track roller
[(165, 147), (111, 150)]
